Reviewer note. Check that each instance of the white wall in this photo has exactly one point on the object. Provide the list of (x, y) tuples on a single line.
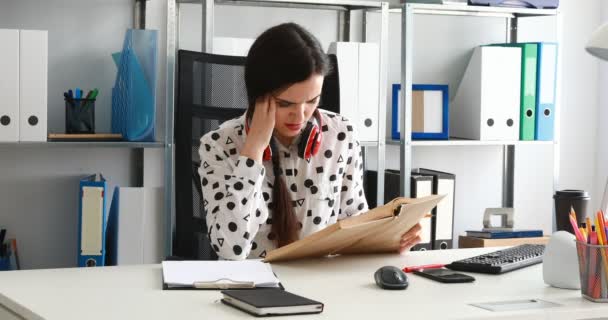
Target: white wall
[(601, 175), (580, 107)]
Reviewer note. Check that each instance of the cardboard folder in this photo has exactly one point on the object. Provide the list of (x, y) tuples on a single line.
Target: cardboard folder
[(378, 230)]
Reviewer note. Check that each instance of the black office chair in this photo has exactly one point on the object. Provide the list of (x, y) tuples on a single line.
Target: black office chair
[(210, 90)]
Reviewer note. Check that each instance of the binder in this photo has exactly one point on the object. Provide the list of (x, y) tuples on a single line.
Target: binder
[(486, 105), (368, 92), (430, 112), (218, 275), (359, 74), (545, 94), (422, 186), (347, 55), (134, 232), (527, 117), (443, 223), (9, 85), (92, 221), (33, 69)]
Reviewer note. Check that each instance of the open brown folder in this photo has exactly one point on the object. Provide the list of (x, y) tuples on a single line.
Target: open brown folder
[(375, 231)]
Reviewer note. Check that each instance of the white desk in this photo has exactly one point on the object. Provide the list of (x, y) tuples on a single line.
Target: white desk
[(344, 284)]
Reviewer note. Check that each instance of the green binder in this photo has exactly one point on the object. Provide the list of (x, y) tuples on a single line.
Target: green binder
[(529, 56)]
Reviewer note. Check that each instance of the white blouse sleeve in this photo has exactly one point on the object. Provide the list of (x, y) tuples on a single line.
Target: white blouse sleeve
[(232, 197), (353, 198)]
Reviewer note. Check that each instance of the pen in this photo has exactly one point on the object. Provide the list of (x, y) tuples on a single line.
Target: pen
[(2, 235), (418, 268)]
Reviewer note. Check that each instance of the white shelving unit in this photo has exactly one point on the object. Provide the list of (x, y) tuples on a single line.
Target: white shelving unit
[(344, 7), (511, 15)]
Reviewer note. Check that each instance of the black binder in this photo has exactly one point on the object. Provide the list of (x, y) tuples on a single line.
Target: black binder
[(443, 222)]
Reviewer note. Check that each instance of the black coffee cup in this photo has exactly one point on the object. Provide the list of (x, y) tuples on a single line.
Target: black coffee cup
[(566, 199)]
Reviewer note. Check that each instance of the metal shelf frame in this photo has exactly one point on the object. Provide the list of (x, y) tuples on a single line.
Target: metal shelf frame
[(83, 144), (511, 16), (345, 7)]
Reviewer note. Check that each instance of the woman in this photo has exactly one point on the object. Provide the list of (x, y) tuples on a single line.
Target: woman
[(284, 169)]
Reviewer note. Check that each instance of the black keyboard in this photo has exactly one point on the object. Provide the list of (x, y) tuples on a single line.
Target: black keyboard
[(503, 260)]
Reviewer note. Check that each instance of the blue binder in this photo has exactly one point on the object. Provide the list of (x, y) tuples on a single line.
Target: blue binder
[(92, 221), (396, 109), (546, 81)]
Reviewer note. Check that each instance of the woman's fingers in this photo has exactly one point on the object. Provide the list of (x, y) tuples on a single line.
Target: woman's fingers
[(408, 245), (414, 231)]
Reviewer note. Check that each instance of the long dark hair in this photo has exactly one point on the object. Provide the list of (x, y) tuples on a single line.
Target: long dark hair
[(279, 57)]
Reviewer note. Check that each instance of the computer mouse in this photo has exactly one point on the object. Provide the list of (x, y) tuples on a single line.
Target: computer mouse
[(391, 278)]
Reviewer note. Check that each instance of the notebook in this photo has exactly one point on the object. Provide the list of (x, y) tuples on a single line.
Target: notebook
[(218, 275), (504, 234), (270, 302)]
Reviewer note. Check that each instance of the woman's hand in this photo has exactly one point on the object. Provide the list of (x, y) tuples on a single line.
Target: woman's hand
[(410, 238), (260, 129)]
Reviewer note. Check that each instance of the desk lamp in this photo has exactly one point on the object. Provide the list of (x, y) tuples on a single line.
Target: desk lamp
[(598, 43)]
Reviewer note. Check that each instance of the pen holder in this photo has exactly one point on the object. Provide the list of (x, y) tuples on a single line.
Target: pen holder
[(5, 263), (593, 271), (79, 115)]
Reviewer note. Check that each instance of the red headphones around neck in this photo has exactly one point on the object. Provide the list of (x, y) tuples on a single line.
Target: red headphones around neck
[(310, 138)]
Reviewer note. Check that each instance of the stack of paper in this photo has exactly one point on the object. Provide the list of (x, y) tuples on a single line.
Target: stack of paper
[(218, 274)]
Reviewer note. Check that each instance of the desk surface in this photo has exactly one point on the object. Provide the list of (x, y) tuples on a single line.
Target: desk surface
[(345, 284)]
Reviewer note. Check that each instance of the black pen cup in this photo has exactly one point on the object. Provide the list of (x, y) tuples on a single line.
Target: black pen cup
[(593, 271), (79, 115)]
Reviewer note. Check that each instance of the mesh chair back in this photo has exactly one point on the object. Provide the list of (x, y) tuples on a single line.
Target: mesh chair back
[(211, 90)]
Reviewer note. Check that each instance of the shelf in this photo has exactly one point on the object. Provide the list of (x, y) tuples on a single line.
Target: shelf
[(475, 11), (464, 142), (311, 4), (79, 144)]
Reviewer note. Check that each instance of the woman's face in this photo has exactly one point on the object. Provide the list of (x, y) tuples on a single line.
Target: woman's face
[(295, 106)]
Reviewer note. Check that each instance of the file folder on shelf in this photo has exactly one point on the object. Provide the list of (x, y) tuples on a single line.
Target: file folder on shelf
[(9, 85), (33, 69), (443, 223), (422, 186), (359, 74), (527, 117), (368, 91), (92, 221), (486, 105), (134, 232), (430, 112), (545, 94)]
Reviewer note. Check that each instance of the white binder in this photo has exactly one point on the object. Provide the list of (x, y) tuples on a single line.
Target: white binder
[(33, 69), (139, 225), (486, 105), (443, 222), (347, 54), (422, 186), (368, 92), (9, 85)]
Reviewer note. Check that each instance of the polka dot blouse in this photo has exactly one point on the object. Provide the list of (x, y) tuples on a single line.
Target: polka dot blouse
[(237, 190)]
